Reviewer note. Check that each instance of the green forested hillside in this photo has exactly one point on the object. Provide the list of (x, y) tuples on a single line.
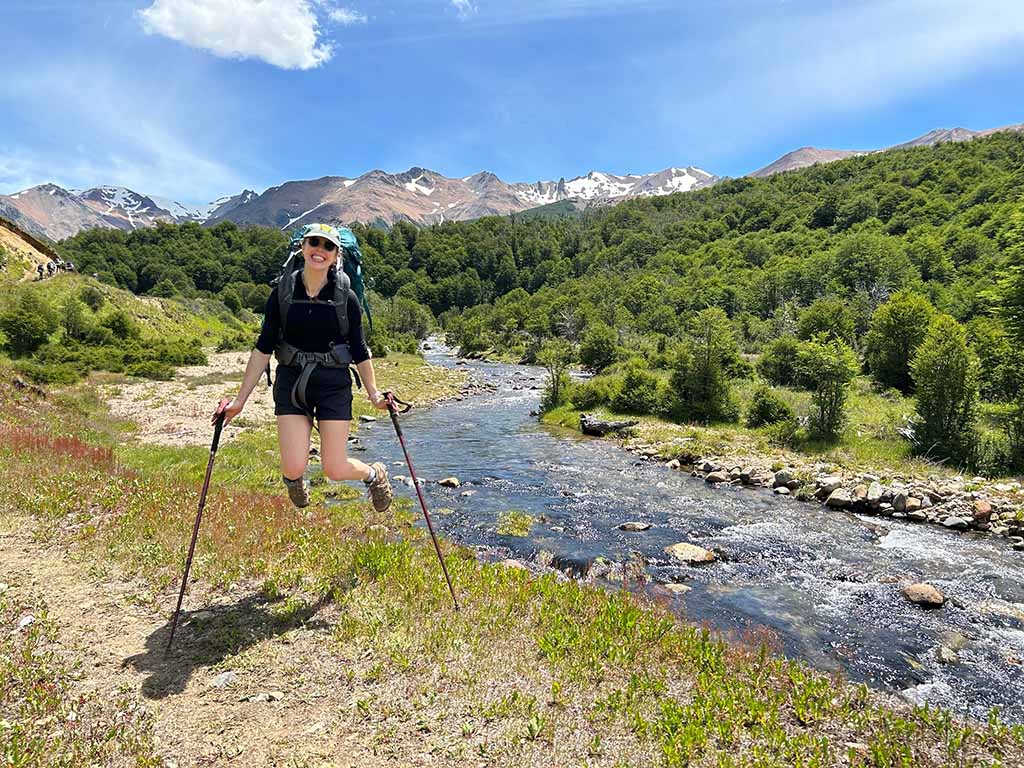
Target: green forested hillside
[(674, 296)]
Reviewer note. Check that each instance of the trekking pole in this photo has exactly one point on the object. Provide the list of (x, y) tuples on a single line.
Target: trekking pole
[(218, 425), (393, 403)]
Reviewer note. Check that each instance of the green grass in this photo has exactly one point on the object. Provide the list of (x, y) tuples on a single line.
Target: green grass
[(514, 522)]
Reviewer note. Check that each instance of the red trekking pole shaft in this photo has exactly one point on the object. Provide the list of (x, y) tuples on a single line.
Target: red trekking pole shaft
[(392, 409), (218, 426)]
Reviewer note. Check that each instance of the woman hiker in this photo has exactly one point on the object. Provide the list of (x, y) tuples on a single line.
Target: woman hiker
[(313, 325)]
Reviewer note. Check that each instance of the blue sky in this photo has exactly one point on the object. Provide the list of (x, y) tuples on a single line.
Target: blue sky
[(195, 99)]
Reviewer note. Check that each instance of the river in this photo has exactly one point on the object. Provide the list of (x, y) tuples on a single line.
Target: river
[(827, 583)]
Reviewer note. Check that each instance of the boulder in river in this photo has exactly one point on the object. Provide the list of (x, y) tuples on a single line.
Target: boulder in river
[(690, 554), (924, 595), (633, 525), (957, 523), (449, 482), (716, 477)]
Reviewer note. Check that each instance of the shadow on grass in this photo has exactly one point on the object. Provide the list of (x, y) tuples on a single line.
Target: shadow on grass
[(206, 637)]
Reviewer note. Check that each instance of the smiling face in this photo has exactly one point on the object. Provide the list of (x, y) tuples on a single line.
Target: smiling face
[(318, 257)]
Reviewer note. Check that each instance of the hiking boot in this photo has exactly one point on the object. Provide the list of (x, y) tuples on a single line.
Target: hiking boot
[(380, 488), (298, 491)]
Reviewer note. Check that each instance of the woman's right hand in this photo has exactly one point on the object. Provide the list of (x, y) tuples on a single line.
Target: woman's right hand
[(230, 409)]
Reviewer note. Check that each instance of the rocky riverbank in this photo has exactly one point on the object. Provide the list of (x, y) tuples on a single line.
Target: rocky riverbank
[(955, 502)]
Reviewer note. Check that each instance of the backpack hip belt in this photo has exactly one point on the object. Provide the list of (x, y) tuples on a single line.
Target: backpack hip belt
[(288, 355)]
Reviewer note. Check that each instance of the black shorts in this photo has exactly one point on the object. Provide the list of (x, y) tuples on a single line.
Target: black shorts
[(328, 394)]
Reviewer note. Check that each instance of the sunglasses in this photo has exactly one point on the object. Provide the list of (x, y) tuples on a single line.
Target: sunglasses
[(321, 242)]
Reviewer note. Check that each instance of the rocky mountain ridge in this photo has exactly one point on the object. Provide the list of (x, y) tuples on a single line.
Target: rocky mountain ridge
[(419, 195)]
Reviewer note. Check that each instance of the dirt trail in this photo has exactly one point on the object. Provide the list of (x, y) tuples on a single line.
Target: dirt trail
[(306, 714)]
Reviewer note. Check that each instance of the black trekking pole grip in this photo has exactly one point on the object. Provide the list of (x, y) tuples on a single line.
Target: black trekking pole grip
[(218, 426)]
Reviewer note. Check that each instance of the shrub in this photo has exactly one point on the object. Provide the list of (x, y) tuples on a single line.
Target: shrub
[(27, 323), (777, 363), (51, 373), (766, 407), (782, 434), (92, 297), (897, 329), (831, 365), (600, 390), (151, 369), (598, 347), (121, 324), (556, 355), (945, 373), (639, 391), (76, 323)]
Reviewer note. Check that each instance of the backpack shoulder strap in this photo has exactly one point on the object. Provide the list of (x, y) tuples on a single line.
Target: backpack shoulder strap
[(342, 286), (285, 295)]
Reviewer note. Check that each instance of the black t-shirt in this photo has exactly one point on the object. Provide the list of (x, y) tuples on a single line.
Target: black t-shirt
[(312, 327)]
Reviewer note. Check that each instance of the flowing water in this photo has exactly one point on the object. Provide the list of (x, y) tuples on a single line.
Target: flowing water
[(827, 583)]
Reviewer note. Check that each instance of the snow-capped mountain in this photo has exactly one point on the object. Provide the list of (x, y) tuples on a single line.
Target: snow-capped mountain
[(426, 197)]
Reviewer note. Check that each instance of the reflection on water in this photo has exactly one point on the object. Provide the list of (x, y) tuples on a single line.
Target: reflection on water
[(827, 583)]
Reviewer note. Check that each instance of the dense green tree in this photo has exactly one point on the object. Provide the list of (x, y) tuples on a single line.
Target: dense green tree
[(599, 347), (829, 365), (830, 317), (556, 355), (945, 375), (897, 329)]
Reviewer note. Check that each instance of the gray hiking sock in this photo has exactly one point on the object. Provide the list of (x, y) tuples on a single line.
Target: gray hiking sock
[(372, 477)]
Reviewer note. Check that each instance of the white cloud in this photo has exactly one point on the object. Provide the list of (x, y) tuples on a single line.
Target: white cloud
[(464, 7), (346, 16), (284, 33)]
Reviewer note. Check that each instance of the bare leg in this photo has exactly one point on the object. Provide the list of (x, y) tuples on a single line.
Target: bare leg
[(334, 453), (293, 438)]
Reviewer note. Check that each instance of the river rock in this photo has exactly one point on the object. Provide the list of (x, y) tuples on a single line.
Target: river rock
[(918, 516), (899, 502), (953, 640), (874, 494), (924, 595), (947, 655), (449, 482), (957, 523), (827, 484), (716, 477), (690, 553), (674, 464), (860, 493), (912, 504), (677, 589), (782, 477), (839, 499), (747, 475), (982, 511), (781, 490), (367, 419), (633, 525)]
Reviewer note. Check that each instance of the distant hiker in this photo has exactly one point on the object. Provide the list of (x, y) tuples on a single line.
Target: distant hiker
[(313, 325), (39, 271), (50, 268), (68, 266)]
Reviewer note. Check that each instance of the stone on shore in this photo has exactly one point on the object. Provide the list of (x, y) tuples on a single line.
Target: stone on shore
[(449, 482), (716, 477), (690, 553), (924, 595), (839, 499), (957, 523)]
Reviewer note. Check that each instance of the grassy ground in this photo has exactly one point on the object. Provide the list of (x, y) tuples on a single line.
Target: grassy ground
[(45, 719), (532, 671)]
